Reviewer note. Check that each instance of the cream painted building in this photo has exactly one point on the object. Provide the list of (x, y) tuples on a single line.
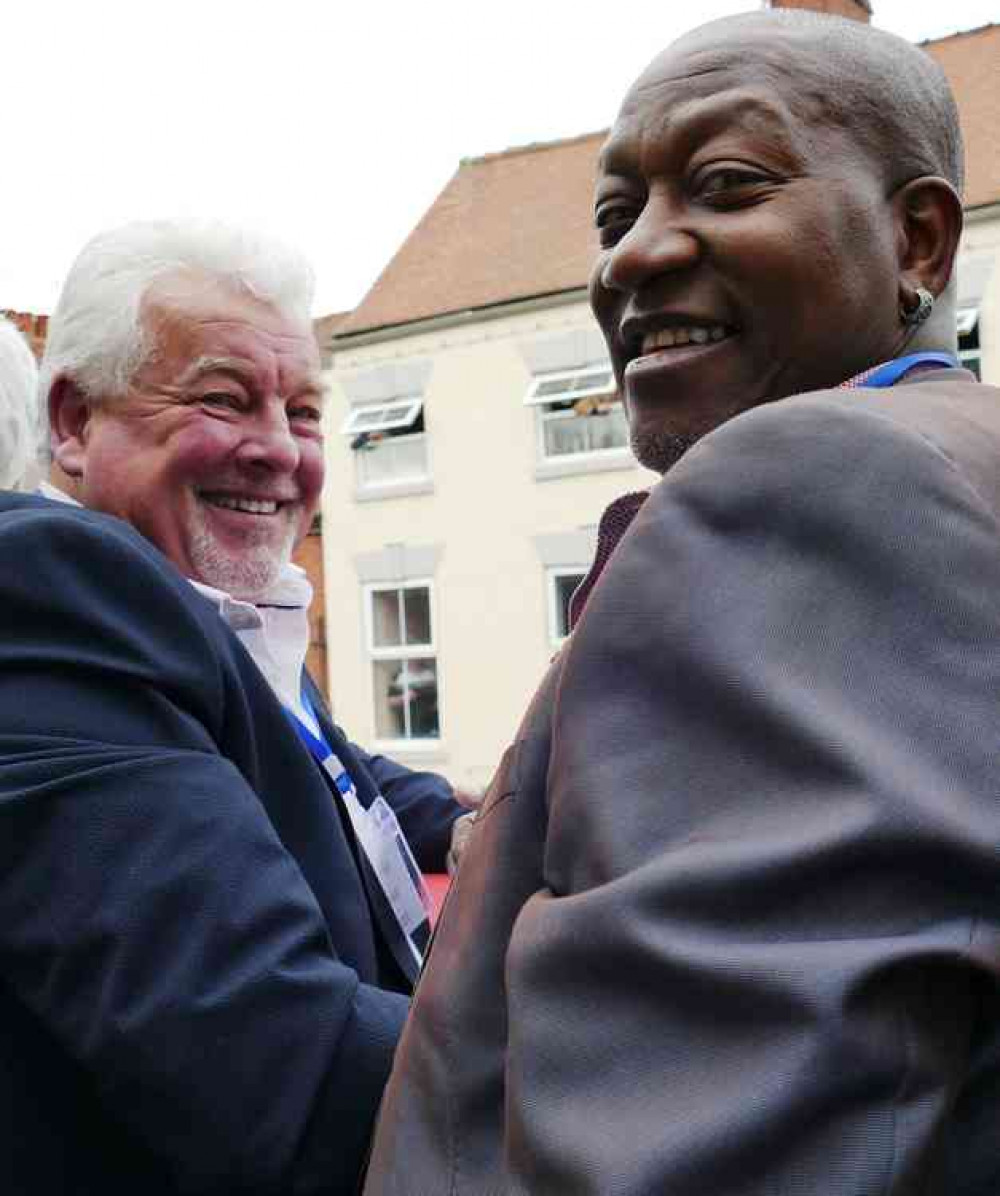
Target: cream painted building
[(971, 61), (979, 290), (474, 438), (461, 536)]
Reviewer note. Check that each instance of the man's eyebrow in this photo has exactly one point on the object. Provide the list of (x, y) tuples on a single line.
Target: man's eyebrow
[(698, 119), (243, 371), (313, 385), (238, 367)]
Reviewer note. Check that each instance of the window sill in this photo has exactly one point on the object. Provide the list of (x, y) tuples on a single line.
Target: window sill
[(393, 490), (613, 459)]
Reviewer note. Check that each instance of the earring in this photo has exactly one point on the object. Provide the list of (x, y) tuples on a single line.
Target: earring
[(921, 313)]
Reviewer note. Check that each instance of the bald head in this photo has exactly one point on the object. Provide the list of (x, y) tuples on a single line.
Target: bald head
[(888, 95), (778, 194)]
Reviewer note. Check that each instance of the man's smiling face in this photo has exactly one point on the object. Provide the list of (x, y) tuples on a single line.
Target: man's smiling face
[(215, 454), (747, 244)]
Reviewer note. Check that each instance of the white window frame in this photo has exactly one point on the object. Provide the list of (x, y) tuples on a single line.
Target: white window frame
[(546, 417), (398, 480), (552, 576), (602, 380), (395, 416), (592, 381), (967, 322), (359, 419), (401, 652)]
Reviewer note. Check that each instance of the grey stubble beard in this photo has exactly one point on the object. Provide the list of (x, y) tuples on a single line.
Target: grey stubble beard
[(246, 575)]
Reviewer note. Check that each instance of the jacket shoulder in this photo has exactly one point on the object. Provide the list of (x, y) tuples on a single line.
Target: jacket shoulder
[(86, 589), (55, 551), (941, 431)]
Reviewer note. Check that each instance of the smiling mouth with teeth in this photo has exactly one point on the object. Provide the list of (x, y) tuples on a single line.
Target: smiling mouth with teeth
[(249, 506), (675, 338)]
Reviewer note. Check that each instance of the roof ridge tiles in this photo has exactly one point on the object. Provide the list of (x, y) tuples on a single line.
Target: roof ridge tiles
[(531, 147), (947, 37)]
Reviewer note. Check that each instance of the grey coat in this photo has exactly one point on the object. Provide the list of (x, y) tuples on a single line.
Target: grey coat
[(729, 924)]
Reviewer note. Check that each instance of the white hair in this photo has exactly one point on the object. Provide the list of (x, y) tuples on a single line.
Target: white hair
[(96, 336), (18, 384)]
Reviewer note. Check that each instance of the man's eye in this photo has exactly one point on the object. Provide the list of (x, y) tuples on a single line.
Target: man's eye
[(729, 183), (309, 414), (221, 398), (613, 222)]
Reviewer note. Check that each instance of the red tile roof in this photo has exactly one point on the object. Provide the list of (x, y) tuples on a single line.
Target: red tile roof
[(517, 224), (324, 329), (508, 226)]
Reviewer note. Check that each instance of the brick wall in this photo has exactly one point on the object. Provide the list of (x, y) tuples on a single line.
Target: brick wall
[(309, 555)]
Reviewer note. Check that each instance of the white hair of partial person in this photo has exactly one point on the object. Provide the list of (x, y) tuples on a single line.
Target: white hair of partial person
[(18, 399), (96, 335)]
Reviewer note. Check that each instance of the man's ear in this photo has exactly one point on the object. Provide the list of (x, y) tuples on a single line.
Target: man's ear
[(929, 222), (70, 412)]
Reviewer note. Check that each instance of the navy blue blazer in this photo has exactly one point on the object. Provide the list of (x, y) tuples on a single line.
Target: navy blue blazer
[(194, 993)]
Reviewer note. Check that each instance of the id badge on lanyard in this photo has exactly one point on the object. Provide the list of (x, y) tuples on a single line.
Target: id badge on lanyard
[(381, 838)]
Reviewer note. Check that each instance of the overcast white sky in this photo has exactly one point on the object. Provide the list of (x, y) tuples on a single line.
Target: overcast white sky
[(332, 124)]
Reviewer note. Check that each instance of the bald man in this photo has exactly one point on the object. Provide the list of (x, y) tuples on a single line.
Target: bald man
[(728, 924)]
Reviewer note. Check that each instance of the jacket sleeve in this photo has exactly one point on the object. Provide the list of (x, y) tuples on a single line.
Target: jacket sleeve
[(423, 802), (150, 917), (766, 950)]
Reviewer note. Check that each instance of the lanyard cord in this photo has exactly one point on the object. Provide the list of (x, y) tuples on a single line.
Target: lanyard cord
[(890, 373)]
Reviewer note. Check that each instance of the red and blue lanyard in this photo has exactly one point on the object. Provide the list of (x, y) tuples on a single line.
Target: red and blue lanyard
[(890, 372)]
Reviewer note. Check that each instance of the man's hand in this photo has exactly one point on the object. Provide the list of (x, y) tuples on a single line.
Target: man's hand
[(461, 828)]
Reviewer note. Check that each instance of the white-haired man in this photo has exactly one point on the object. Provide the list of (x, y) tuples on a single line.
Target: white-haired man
[(18, 380), (209, 915)]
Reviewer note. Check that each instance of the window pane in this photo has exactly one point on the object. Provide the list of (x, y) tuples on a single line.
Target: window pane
[(565, 584), (969, 340), (395, 459), (565, 436), (972, 361), (417, 615), (572, 384), (386, 632), (390, 715), (566, 433), (394, 414), (406, 699), (422, 698), (608, 430), (966, 320), (594, 382), (366, 419)]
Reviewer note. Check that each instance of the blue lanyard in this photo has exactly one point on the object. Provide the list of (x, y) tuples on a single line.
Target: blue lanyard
[(890, 373), (319, 748)]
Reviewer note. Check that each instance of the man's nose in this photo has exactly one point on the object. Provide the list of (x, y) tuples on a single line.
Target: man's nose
[(657, 243), (268, 442)]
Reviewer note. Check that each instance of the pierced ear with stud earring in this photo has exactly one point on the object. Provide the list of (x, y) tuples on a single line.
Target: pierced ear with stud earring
[(914, 316)]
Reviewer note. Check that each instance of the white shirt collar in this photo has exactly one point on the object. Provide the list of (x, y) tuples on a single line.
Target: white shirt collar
[(47, 490), (275, 630)]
